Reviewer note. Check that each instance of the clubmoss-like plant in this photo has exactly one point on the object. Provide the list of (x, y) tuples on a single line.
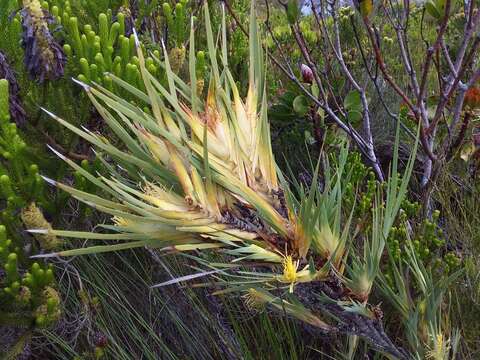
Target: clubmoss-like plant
[(20, 182), (200, 72), (200, 176), (47, 32), (426, 237), (99, 49), (361, 187), (108, 51), (176, 21), (27, 298)]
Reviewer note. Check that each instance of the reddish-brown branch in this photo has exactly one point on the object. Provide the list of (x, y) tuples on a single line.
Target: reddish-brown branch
[(461, 135), (431, 51), (445, 98), (51, 141), (462, 63), (383, 69), (398, 90)]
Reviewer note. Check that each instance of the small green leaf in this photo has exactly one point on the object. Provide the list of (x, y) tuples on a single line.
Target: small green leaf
[(432, 9), (441, 5), (354, 116), (300, 105), (353, 101), (293, 11), (353, 106), (321, 114), (315, 90), (309, 139)]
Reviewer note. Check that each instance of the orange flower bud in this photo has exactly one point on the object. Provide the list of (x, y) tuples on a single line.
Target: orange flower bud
[(472, 97)]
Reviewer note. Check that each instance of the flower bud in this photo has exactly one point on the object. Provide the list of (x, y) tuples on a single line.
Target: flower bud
[(472, 97), (307, 74)]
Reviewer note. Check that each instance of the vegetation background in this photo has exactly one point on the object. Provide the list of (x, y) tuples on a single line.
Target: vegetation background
[(376, 74)]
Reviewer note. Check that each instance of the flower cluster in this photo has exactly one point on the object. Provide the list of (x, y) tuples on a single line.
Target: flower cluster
[(15, 102), (44, 57)]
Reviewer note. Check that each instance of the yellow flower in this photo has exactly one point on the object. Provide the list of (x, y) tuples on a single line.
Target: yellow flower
[(290, 268), (440, 348), (291, 275), (254, 299), (120, 221)]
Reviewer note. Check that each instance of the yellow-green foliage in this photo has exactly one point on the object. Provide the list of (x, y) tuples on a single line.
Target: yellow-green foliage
[(26, 297), (49, 311), (4, 106), (20, 181), (177, 58), (176, 21), (33, 218), (99, 49)]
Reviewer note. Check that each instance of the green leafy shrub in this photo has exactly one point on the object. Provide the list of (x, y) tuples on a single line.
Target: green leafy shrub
[(27, 297)]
